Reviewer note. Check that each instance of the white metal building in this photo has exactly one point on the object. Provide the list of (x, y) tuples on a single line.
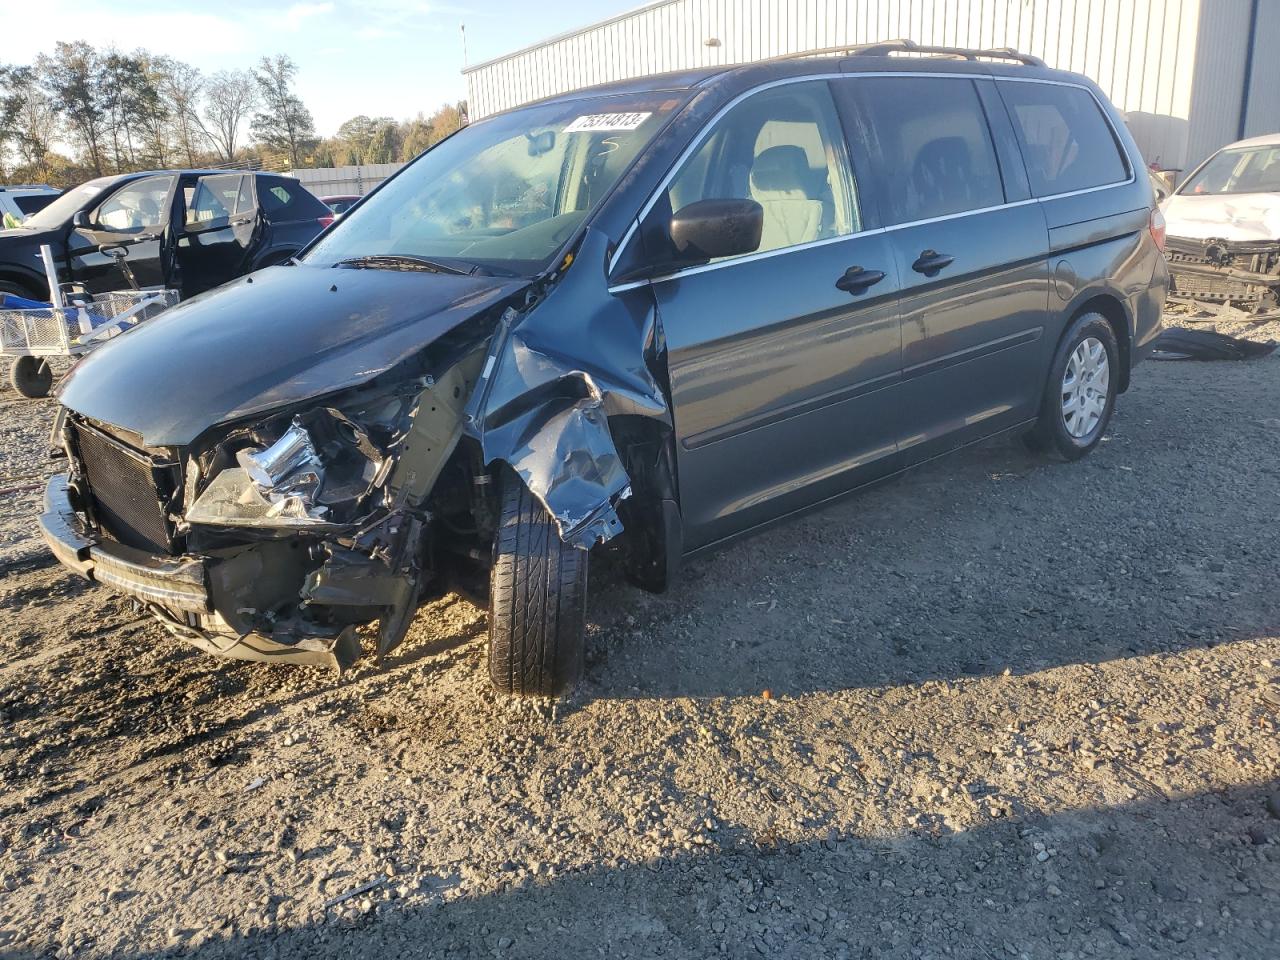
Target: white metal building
[(1191, 75), (340, 181)]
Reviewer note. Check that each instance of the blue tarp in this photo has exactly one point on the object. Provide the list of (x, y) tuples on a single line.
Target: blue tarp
[(9, 301)]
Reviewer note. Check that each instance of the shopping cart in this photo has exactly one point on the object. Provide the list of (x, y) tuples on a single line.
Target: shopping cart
[(32, 332)]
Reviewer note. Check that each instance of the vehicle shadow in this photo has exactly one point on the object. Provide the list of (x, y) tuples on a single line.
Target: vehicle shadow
[(1192, 877), (983, 562)]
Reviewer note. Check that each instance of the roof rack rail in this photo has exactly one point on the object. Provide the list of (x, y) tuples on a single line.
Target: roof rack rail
[(885, 48)]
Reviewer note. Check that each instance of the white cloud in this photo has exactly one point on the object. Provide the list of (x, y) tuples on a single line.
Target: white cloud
[(297, 14)]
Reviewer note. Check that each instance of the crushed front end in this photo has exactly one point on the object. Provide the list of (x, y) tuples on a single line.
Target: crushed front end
[(274, 539), (1239, 273)]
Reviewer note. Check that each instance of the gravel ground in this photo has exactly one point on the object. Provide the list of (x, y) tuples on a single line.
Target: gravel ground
[(993, 709)]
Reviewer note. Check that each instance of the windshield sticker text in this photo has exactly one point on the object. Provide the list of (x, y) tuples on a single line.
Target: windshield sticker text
[(607, 121)]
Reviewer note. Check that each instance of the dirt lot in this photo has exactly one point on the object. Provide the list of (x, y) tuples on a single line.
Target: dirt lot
[(1016, 710)]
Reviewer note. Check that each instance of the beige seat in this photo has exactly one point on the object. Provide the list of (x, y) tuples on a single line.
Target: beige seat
[(779, 183)]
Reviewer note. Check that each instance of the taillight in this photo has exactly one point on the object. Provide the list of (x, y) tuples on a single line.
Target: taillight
[(325, 221), (1156, 226)]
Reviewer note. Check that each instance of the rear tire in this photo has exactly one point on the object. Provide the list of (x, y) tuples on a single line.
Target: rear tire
[(17, 289), (1080, 393), (537, 600), (31, 376)]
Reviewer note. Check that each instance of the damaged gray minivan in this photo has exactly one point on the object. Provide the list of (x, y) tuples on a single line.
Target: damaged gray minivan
[(655, 314)]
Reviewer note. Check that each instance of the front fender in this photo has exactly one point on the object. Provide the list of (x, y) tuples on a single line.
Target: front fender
[(555, 376)]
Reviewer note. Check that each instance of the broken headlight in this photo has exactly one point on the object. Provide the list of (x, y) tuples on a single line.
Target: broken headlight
[(312, 474)]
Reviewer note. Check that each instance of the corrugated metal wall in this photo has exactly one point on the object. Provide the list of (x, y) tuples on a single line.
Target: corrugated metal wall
[(1175, 66), (1264, 101), (338, 181)]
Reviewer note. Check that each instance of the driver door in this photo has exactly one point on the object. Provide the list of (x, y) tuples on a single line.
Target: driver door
[(785, 362), (219, 230), (133, 218)]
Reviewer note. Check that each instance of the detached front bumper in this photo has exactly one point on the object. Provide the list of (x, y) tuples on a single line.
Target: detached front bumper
[(176, 584), (175, 589)]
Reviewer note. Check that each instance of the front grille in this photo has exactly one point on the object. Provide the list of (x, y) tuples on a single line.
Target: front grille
[(126, 489), (1223, 288)]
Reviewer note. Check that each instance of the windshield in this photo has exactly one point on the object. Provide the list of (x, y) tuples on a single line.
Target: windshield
[(59, 212), (502, 194), (1247, 170)]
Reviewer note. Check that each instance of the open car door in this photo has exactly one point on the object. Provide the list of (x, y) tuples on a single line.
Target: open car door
[(129, 223), (220, 227)]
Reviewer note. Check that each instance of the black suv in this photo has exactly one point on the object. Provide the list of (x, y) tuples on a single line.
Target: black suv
[(650, 316), (190, 230)]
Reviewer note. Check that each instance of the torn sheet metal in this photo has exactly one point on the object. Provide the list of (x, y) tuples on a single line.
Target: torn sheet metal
[(555, 374)]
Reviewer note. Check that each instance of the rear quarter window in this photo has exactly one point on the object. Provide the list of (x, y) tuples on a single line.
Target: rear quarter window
[(34, 203), (282, 199), (1066, 141)]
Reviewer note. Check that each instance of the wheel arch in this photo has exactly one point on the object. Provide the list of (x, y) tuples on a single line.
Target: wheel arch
[(273, 257), (653, 537), (1112, 308), (30, 282)]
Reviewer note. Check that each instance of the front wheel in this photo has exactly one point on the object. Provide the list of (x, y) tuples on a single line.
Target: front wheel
[(537, 600), (31, 376), (1080, 394)]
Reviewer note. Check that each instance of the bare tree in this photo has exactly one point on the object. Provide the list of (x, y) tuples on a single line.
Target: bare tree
[(230, 98), (182, 86)]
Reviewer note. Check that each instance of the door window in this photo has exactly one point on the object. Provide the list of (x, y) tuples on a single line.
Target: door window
[(1066, 142), (139, 205), (214, 200), (934, 148), (244, 199), (783, 148)]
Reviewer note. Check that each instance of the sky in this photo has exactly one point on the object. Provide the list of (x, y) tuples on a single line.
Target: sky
[(376, 57)]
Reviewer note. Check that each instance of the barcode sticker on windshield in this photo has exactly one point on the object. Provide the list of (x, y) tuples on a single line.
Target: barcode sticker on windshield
[(607, 122)]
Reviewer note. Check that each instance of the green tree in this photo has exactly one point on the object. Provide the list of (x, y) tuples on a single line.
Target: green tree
[(284, 123), (134, 111), (384, 145), (28, 123), (73, 77)]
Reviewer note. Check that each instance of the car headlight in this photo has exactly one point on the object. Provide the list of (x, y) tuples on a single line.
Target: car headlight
[(320, 464)]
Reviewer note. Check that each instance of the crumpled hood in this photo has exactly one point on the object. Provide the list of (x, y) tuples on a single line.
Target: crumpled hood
[(281, 336), (1236, 216)]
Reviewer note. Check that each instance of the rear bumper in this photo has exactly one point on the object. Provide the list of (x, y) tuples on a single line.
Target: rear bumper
[(178, 584)]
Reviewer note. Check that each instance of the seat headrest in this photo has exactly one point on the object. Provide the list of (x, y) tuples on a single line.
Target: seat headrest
[(778, 169), (946, 156)]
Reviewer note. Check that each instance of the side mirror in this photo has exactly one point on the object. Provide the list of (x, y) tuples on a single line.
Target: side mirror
[(707, 229), (81, 219)]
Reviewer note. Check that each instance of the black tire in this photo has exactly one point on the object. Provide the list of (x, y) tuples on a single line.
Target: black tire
[(31, 376), (537, 600), (17, 289), (1051, 434)]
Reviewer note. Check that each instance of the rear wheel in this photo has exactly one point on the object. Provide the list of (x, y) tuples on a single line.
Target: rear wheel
[(1080, 394), (8, 286), (31, 376), (537, 600)]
